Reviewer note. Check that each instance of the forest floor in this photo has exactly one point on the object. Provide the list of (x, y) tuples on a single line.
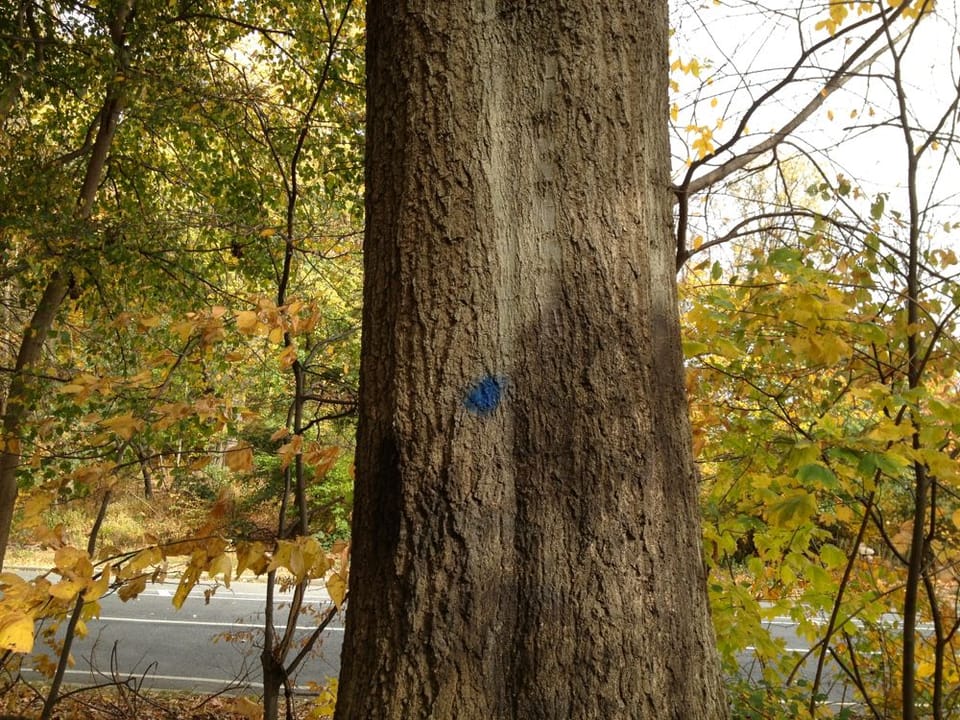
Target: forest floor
[(25, 702)]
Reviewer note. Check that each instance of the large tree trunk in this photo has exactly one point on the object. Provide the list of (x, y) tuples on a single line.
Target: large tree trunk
[(526, 539)]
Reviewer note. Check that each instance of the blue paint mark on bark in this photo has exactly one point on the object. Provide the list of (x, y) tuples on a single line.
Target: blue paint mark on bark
[(484, 396)]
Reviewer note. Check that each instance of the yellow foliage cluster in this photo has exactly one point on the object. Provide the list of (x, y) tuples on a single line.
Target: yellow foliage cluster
[(839, 11)]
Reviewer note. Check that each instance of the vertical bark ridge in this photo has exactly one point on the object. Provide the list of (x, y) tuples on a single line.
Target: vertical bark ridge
[(525, 534)]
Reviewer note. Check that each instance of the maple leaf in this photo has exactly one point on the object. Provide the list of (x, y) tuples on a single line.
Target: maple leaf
[(16, 632)]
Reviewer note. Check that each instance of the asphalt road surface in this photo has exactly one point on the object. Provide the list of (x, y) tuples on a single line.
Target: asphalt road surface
[(838, 693), (209, 646), (203, 647)]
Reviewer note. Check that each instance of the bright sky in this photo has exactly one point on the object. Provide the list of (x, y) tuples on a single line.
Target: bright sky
[(749, 47)]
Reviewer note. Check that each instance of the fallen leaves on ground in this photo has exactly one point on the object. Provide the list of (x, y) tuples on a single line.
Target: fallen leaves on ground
[(22, 702)]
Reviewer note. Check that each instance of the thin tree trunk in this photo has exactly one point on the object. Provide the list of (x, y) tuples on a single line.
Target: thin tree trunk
[(526, 538), (918, 556), (54, 693), (31, 345), (17, 402), (145, 472)]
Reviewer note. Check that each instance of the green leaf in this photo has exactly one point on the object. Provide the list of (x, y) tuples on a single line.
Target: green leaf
[(785, 258), (692, 348), (792, 510), (817, 475), (873, 461), (832, 556), (726, 348)]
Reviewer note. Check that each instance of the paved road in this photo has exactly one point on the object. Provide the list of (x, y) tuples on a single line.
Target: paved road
[(832, 684), (205, 647), (202, 647)]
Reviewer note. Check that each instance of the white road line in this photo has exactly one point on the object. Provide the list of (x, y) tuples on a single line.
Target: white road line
[(155, 621), (179, 678), (318, 598)]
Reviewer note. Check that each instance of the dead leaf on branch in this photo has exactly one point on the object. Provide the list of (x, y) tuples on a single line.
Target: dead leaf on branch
[(239, 459)]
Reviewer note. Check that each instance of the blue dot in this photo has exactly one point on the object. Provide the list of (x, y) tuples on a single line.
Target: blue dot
[(484, 396)]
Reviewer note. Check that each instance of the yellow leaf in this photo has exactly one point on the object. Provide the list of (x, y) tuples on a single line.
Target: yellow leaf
[(341, 549), (11, 580), (288, 357), (322, 459), (337, 587), (890, 431), (244, 707), (130, 590), (290, 450), (956, 518), (16, 632), (844, 513), (320, 565), (37, 503), (190, 577), (726, 348), (325, 702), (139, 562), (247, 321), (298, 565), (251, 556), (171, 413), (184, 329), (98, 588), (276, 335), (220, 565), (281, 556), (925, 669), (67, 558), (239, 459), (126, 425), (67, 589)]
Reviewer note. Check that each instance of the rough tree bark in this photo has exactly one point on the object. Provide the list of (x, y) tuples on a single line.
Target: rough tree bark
[(526, 539)]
